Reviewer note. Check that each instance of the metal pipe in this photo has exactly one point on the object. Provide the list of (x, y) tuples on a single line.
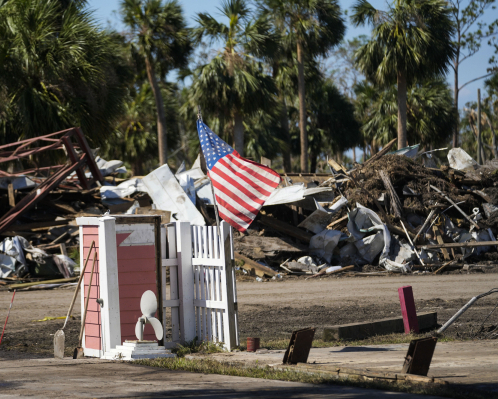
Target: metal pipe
[(457, 315), (463, 309), (479, 144)]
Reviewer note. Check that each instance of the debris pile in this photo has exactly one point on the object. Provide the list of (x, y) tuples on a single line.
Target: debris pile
[(391, 214), (396, 213)]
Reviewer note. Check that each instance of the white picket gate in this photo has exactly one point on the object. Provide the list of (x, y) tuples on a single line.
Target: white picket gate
[(200, 296)]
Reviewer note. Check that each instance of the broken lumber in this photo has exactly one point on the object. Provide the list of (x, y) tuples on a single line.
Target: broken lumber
[(381, 153), (285, 228), (395, 201), (336, 166), (37, 225), (440, 240), (337, 222), (456, 206), (58, 281), (442, 267), (251, 265), (61, 238), (12, 196), (344, 269)]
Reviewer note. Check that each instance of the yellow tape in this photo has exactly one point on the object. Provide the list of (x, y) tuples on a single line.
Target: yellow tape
[(48, 318)]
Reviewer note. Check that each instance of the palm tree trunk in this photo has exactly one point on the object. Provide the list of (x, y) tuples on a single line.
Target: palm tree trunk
[(354, 155), (238, 133), (302, 109), (314, 161), (161, 115), (401, 109), (284, 123), (455, 93), (495, 153)]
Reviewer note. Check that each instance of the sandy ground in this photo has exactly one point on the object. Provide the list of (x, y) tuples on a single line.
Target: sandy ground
[(274, 309)]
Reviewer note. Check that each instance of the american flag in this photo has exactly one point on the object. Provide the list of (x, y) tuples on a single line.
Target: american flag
[(241, 187)]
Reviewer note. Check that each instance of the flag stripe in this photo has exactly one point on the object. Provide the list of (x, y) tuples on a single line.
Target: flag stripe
[(269, 178), (241, 187), (238, 205), (231, 184), (225, 216), (254, 181), (235, 213)]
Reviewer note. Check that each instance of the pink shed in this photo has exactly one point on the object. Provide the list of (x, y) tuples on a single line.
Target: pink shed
[(125, 268)]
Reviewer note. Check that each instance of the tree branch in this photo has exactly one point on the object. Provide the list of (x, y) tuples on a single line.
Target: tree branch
[(473, 80)]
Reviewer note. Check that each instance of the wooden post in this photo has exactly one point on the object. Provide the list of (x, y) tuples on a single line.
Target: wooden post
[(229, 317), (108, 282), (159, 271), (408, 310), (479, 144), (12, 196), (185, 281)]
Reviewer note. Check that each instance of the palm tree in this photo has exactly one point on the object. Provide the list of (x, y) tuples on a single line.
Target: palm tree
[(412, 40), (159, 31), (333, 127), (430, 116), (58, 69), (233, 84), (314, 26)]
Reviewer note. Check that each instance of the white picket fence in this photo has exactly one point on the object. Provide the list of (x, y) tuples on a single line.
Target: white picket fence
[(200, 296)]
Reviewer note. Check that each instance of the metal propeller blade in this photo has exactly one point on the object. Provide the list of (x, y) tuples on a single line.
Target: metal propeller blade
[(158, 327), (148, 304)]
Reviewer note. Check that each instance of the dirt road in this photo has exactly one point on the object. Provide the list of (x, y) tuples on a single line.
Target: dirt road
[(274, 309)]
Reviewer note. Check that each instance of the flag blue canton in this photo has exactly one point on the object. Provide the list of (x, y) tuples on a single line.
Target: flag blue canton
[(212, 146)]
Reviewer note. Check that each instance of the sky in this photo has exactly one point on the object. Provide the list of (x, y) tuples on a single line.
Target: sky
[(106, 12)]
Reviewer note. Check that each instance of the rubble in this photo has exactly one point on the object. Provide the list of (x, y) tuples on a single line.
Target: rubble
[(391, 214)]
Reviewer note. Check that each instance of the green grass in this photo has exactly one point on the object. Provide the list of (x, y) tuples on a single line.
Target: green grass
[(195, 346), (209, 366)]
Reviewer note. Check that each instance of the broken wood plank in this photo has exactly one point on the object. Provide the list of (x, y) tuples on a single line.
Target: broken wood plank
[(12, 197), (336, 166), (63, 249), (165, 215), (440, 240), (455, 205), (431, 214), (285, 228), (442, 267), (381, 153), (37, 225), (58, 281), (64, 208), (344, 269), (250, 265), (395, 201), (337, 222), (258, 247), (61, 238)]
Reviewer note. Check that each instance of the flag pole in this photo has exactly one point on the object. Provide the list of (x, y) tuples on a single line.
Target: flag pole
[(199, 117)]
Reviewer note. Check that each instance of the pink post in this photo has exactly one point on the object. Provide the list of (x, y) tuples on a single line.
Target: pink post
[(408, 309)]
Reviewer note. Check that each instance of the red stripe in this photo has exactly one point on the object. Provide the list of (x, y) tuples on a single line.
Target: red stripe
[(231, 222), (259, 200), (235, 211), (254, 170), (231, 194), (246, 179)]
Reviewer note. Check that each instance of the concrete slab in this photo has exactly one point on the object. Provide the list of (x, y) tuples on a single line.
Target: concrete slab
[(53, 378), (472, 363)]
